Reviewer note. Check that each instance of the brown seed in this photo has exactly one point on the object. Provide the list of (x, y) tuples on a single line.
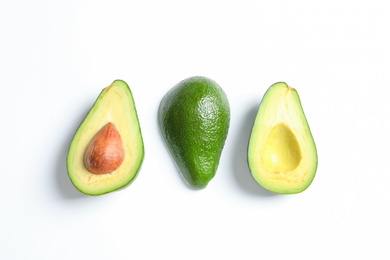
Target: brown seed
[(105, 152)]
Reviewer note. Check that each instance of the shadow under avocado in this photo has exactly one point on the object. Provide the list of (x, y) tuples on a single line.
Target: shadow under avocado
[(65, 186), (239, 160)]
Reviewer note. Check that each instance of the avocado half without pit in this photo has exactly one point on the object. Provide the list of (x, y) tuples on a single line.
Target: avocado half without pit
[(107, 149), (282, 155)]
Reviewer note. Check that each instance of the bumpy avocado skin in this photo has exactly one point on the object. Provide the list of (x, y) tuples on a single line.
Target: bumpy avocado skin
[(122, 112), (194, 120)]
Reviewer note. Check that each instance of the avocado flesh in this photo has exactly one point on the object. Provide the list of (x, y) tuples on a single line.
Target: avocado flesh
[(194, 121), (114, 105), (282, 155)]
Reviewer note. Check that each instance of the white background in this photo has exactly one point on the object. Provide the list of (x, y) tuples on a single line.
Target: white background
[(56, 57)]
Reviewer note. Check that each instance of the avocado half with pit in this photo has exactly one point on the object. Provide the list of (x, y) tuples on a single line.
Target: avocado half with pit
[(282, 155), (107, 149)]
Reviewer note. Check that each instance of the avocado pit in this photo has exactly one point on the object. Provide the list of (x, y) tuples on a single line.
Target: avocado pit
[(104, 153)]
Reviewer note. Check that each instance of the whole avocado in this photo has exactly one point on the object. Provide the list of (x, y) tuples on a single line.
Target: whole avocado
[(194, 119)]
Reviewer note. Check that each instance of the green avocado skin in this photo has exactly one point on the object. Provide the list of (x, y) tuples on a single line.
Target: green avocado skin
[(194, 121)]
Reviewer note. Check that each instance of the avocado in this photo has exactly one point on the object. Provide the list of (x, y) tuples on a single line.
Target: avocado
[(194, 121), (282, 155), (107, 149)]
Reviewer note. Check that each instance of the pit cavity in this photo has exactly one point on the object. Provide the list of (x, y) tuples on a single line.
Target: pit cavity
[(281, 152)]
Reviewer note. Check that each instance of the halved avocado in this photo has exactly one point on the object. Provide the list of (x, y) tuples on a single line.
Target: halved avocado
[(107, 149), (282, 155)]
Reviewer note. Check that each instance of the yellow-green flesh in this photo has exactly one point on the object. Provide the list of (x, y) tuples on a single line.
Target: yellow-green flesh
[(282, 155), (115, 104)]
